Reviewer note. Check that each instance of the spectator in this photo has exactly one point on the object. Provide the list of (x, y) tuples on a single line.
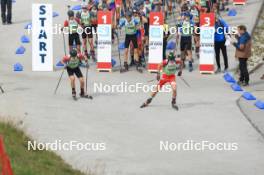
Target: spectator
[(6, 18), (243, 52), (220, 30)]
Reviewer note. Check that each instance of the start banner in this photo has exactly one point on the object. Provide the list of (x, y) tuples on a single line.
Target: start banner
[(42, 38), (207, 54), (155, 40), (104, 46)]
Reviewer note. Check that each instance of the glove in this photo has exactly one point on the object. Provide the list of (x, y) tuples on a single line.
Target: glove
[(158, 77), (179, 73)]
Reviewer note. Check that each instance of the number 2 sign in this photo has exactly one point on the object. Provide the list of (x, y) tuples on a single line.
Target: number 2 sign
[(207, 20), (155, 40), (156, 18)]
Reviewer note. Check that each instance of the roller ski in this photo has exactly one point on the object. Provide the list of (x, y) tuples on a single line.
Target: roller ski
[(86, 96), (146, 103)]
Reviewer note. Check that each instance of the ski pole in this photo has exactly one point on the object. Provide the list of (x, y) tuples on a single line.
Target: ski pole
[(64, 67), (119, 57), (2, 90), (185, 82)]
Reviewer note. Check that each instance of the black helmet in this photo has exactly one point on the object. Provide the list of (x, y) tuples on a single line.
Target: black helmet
[(171, 56), (73, 53), (71, 13)]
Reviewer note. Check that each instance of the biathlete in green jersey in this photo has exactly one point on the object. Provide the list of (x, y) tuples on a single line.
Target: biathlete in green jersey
[(169, 69), (73, 62)]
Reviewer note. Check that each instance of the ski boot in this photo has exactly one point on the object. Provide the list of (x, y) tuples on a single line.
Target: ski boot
[(93, 55), (146, 103), (74, 95), (132, 63), (86, 54), (190, 66), (173, 104), (126, 67), (138, 67)]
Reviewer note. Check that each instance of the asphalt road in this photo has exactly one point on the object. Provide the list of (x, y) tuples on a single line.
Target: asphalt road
[(208, 112)]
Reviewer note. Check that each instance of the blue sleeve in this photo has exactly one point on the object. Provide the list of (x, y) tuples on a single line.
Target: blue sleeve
[(225, 25), (243, 40), (122, 22), (136, 21)]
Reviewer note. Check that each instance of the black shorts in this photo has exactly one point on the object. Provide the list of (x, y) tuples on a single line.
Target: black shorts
[(77, 71), (87, 31), (130, 38), (74, 38), (94, 27), (186, 43), (146, 29)]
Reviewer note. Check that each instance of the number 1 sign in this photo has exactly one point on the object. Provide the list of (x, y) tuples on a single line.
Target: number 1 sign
[(207, 56), (104, 46), (155, 40)]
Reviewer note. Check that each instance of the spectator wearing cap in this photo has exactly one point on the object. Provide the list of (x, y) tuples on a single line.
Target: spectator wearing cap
[(243, 52), (221, 28), (6, 11)]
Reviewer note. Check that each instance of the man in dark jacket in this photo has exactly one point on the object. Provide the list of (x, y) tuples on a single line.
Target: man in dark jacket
[(6, 5), (243, 52), (220, 29)]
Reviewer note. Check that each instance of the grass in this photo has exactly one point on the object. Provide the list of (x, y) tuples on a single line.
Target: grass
[(26, 162)]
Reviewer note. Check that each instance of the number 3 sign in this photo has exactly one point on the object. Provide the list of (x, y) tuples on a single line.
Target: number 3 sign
[(207, 20)]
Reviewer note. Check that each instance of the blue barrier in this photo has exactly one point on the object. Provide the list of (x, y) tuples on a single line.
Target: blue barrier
[(55, 14), (232, 12), (20, 50), (121, 46), (25, 39), (28, 26), (113, 61), (248, 96), (77, 7), (259, 104), (236, 87), (171, 45), (18, 67), (13, 1), (228, 78), (59, 64)]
